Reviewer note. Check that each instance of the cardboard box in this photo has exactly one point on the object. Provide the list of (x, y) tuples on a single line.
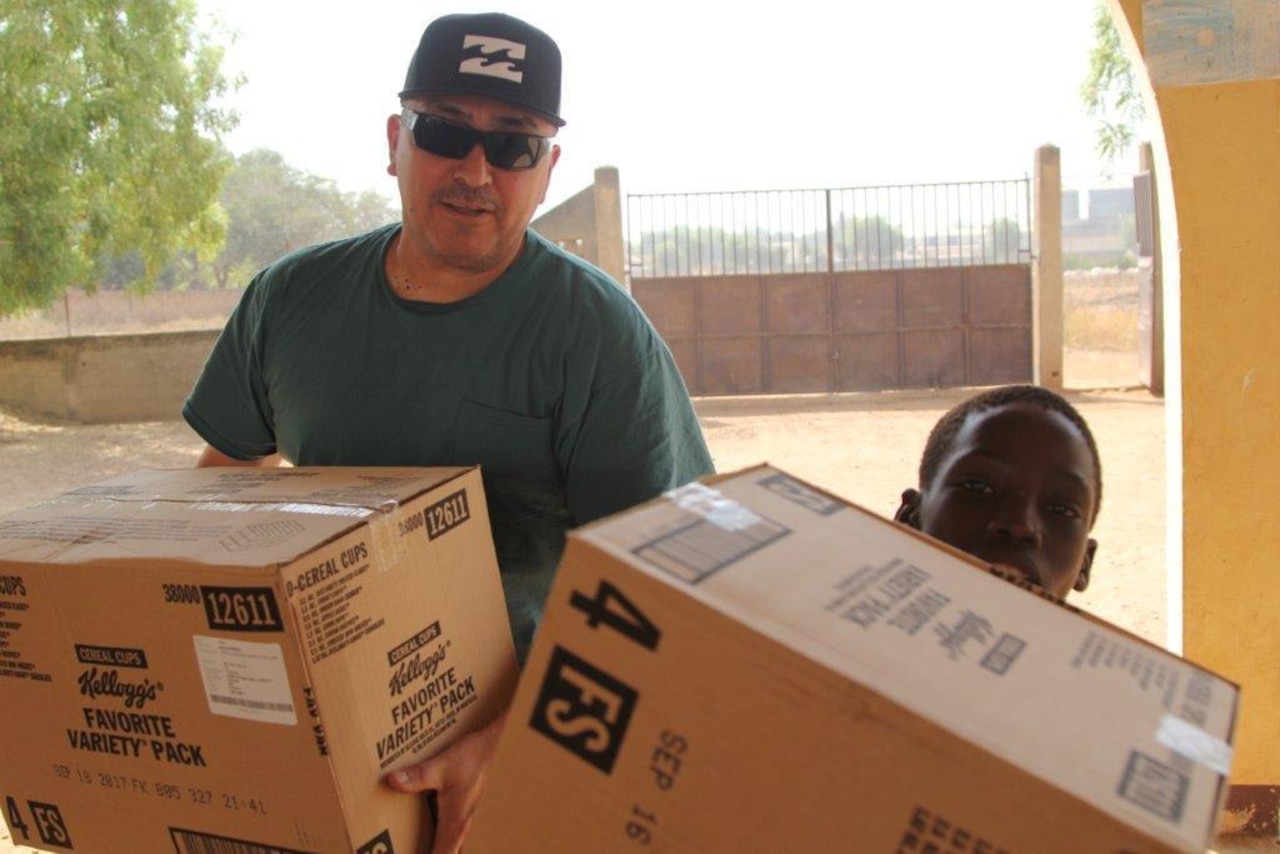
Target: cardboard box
[(755, 665), (230, 659)]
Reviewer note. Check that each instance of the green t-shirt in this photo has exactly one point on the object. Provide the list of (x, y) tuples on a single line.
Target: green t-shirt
[(551, 379)]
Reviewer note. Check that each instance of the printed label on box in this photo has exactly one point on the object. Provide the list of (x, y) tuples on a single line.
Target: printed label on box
[(796, 492), (246, 680), (702, 548), (196, 842), (1156, 787)]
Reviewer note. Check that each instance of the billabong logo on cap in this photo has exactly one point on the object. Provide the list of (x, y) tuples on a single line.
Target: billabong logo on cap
[(493, 57)]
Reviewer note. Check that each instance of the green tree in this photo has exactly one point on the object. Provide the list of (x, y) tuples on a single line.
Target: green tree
[(1003, 241), (109, 147), (869, 243), (716, 251), (273, 208), (1110, 91)]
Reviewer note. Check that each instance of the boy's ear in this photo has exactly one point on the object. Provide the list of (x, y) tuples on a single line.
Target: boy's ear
[(909, 510), (1086, 565)]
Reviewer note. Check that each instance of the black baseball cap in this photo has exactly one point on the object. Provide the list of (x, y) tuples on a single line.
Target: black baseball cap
[(488, 54)]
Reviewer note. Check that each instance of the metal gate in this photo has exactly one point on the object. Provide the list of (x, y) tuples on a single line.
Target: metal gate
[(913, 286)]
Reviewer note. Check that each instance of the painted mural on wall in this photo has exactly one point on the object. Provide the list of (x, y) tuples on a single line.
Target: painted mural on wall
[(1192, 42)]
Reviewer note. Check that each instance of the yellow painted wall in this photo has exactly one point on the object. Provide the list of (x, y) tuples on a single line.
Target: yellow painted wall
[(1222, 142)]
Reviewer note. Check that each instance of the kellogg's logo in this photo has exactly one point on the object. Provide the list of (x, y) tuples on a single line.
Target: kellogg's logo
[(418, 668), (95, 683)]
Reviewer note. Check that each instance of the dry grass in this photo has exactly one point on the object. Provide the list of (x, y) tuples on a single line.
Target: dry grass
[(1101, 309), (1093, 328)]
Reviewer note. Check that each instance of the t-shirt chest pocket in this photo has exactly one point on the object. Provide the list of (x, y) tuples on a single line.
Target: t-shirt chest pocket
[(504, 443)]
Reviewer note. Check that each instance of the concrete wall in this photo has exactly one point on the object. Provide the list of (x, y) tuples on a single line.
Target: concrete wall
[(122, 313), (1214, 78), (113, 378), (589, 224)]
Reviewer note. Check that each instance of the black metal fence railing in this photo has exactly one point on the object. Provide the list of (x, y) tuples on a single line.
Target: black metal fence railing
[(813, 231)]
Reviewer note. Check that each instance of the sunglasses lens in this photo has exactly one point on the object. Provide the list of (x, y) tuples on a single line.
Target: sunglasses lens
[(443, 139), (504, 150), (512, 150)]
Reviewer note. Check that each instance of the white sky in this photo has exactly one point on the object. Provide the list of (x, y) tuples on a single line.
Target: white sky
[(702, 95)]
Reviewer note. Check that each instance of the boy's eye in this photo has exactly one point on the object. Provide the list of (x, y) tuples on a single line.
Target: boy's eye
[(980, 487), (1067, 511)]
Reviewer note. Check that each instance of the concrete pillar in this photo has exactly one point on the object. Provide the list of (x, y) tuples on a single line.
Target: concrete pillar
[(1151, 293), (589, 224), (1046, 268), (610, 247)]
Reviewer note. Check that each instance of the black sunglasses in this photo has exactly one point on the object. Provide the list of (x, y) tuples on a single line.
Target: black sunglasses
[(503, 149)]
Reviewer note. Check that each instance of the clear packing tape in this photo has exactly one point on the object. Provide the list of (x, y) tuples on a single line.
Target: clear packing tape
[(711, 504), (385, 544), (1189, 740)]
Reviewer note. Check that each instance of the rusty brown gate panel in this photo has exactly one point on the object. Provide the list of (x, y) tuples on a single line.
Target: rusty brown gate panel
[(999, 324), (849, 331)]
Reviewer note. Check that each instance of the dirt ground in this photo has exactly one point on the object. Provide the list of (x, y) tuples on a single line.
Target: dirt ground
[(864, 447)]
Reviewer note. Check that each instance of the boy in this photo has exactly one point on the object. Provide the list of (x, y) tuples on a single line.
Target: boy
[(1012, 477)]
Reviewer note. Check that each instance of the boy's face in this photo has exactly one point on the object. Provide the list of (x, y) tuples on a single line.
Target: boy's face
[(1016, 489)]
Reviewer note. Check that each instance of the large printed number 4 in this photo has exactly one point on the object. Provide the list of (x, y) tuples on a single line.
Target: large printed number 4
[(16, 824), (47, 819), (616, 611)]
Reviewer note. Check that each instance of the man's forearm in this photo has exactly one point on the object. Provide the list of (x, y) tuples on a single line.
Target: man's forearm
[(211, 456)]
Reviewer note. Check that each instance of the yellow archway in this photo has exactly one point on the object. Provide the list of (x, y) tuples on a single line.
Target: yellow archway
[(1214, 75)]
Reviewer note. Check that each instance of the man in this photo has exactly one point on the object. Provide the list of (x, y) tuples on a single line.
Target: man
[(1012, 477), (458, 336)]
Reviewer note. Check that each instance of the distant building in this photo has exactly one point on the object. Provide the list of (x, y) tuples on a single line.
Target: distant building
[(1098, 228)]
